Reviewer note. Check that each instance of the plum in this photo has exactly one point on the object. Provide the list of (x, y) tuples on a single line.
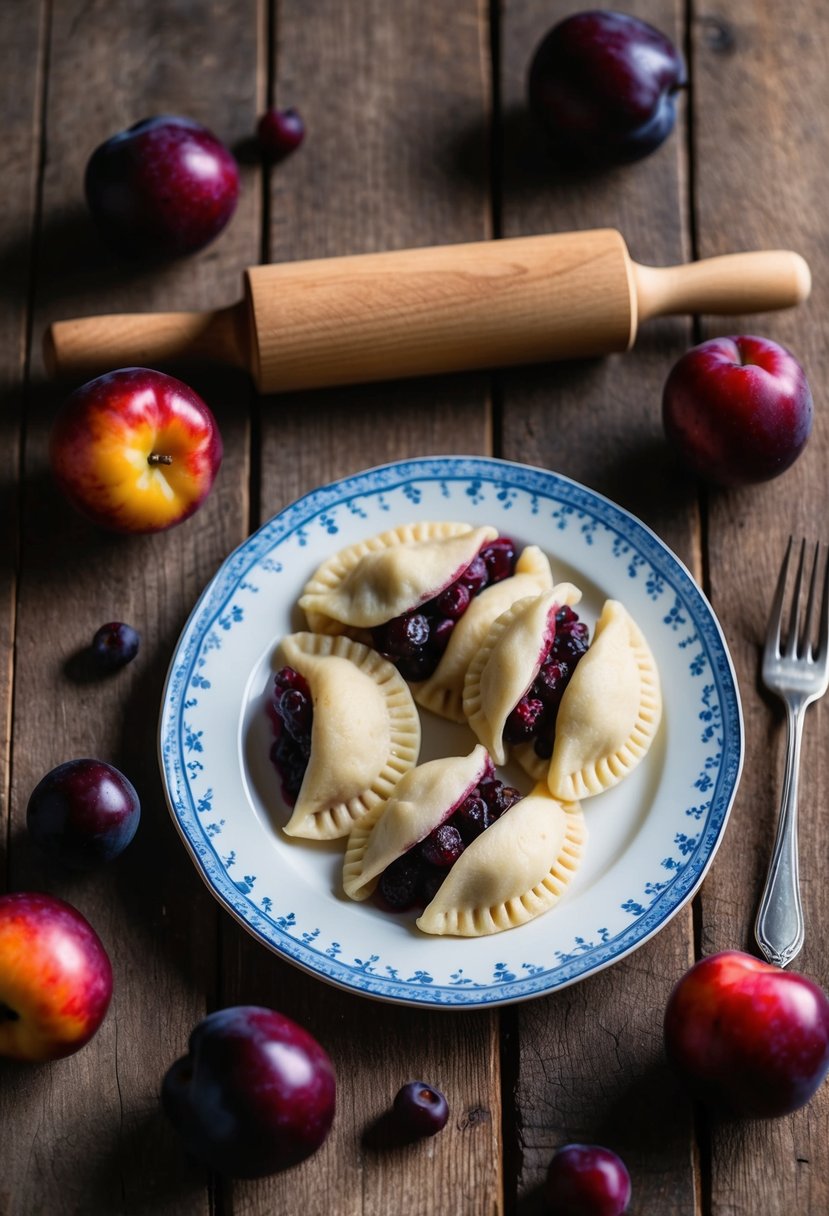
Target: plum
[(737, 409), (135, 450), (83, 813), (603, 85), (746, 1037), (279, 132), (114, 645), (55, 978), (164, 187), (255, 1093), (420, 1109), (587, 1180)]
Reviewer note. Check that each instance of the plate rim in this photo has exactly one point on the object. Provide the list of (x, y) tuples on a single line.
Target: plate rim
[(500, 991)]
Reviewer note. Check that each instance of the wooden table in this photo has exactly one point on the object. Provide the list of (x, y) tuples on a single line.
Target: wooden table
[(417, 134)]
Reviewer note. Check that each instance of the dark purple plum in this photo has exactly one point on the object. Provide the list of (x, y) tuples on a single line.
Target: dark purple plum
[(83, 813), (163, 188), (603, 85), (256, 1092), (420, 1109), (114, 645), (279, 133), (587, 1180)]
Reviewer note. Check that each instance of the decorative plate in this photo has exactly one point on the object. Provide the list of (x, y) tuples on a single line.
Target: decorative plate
[(651, 838)]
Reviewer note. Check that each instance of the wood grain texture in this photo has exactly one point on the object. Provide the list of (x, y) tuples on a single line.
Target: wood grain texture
[(384, 89), (445, 308), (87, 1134), (588, 1061), (761, 85), (22, 36)]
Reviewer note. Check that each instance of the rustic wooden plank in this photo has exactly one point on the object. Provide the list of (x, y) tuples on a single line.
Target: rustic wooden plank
[(387, 92), (588, 1061), (87, 1133), (762, 177), (22, 49), (21, 84)]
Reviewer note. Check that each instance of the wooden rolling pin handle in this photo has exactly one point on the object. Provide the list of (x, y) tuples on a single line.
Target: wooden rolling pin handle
[(733, 284), (86, 346)]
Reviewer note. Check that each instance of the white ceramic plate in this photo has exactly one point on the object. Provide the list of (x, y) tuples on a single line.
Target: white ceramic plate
[(651, 838)]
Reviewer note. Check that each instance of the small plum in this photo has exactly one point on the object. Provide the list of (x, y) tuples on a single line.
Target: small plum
[(279, 132), (114, 645), (420, 1109)]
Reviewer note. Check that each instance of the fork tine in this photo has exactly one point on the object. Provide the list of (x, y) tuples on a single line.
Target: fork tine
[(776, 614), (823, 637), (791, 638), (805, 649)]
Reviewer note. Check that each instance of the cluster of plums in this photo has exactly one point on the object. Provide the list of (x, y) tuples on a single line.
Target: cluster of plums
[(167, 186), (604, 87)]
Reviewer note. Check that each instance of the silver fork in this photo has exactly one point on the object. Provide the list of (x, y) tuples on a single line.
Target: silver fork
[(799, 675)]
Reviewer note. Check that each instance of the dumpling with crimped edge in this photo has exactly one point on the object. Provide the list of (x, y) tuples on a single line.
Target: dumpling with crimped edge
[(610, 710), (442, 693), (508, 662), (424, 798), (375, 580), (514, 871), (365, 733)]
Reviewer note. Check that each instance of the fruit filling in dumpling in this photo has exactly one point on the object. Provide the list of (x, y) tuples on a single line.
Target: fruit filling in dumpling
[(406, 849), (515, 683), (511, 873), (404, 591), (291, 714), (413, 879), (443, 691), (345, 731), (415, 641), (534, 717)]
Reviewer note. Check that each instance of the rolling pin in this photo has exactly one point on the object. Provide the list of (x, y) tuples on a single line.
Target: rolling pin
[(423, 311)]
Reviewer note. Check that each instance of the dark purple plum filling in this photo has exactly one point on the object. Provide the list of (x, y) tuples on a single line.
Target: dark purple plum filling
[(534, 717), (413, 879), (415, 641), (291, 714)]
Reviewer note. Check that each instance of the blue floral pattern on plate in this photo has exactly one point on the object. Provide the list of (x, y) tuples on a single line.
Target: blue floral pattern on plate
[(651, 839)]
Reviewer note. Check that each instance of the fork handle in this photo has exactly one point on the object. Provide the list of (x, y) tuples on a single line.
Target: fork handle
[(779, 928)]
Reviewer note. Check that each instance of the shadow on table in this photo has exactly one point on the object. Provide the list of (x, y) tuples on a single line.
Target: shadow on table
[(518, 152), (79, 263), (135, 1164), (141, 1168)]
